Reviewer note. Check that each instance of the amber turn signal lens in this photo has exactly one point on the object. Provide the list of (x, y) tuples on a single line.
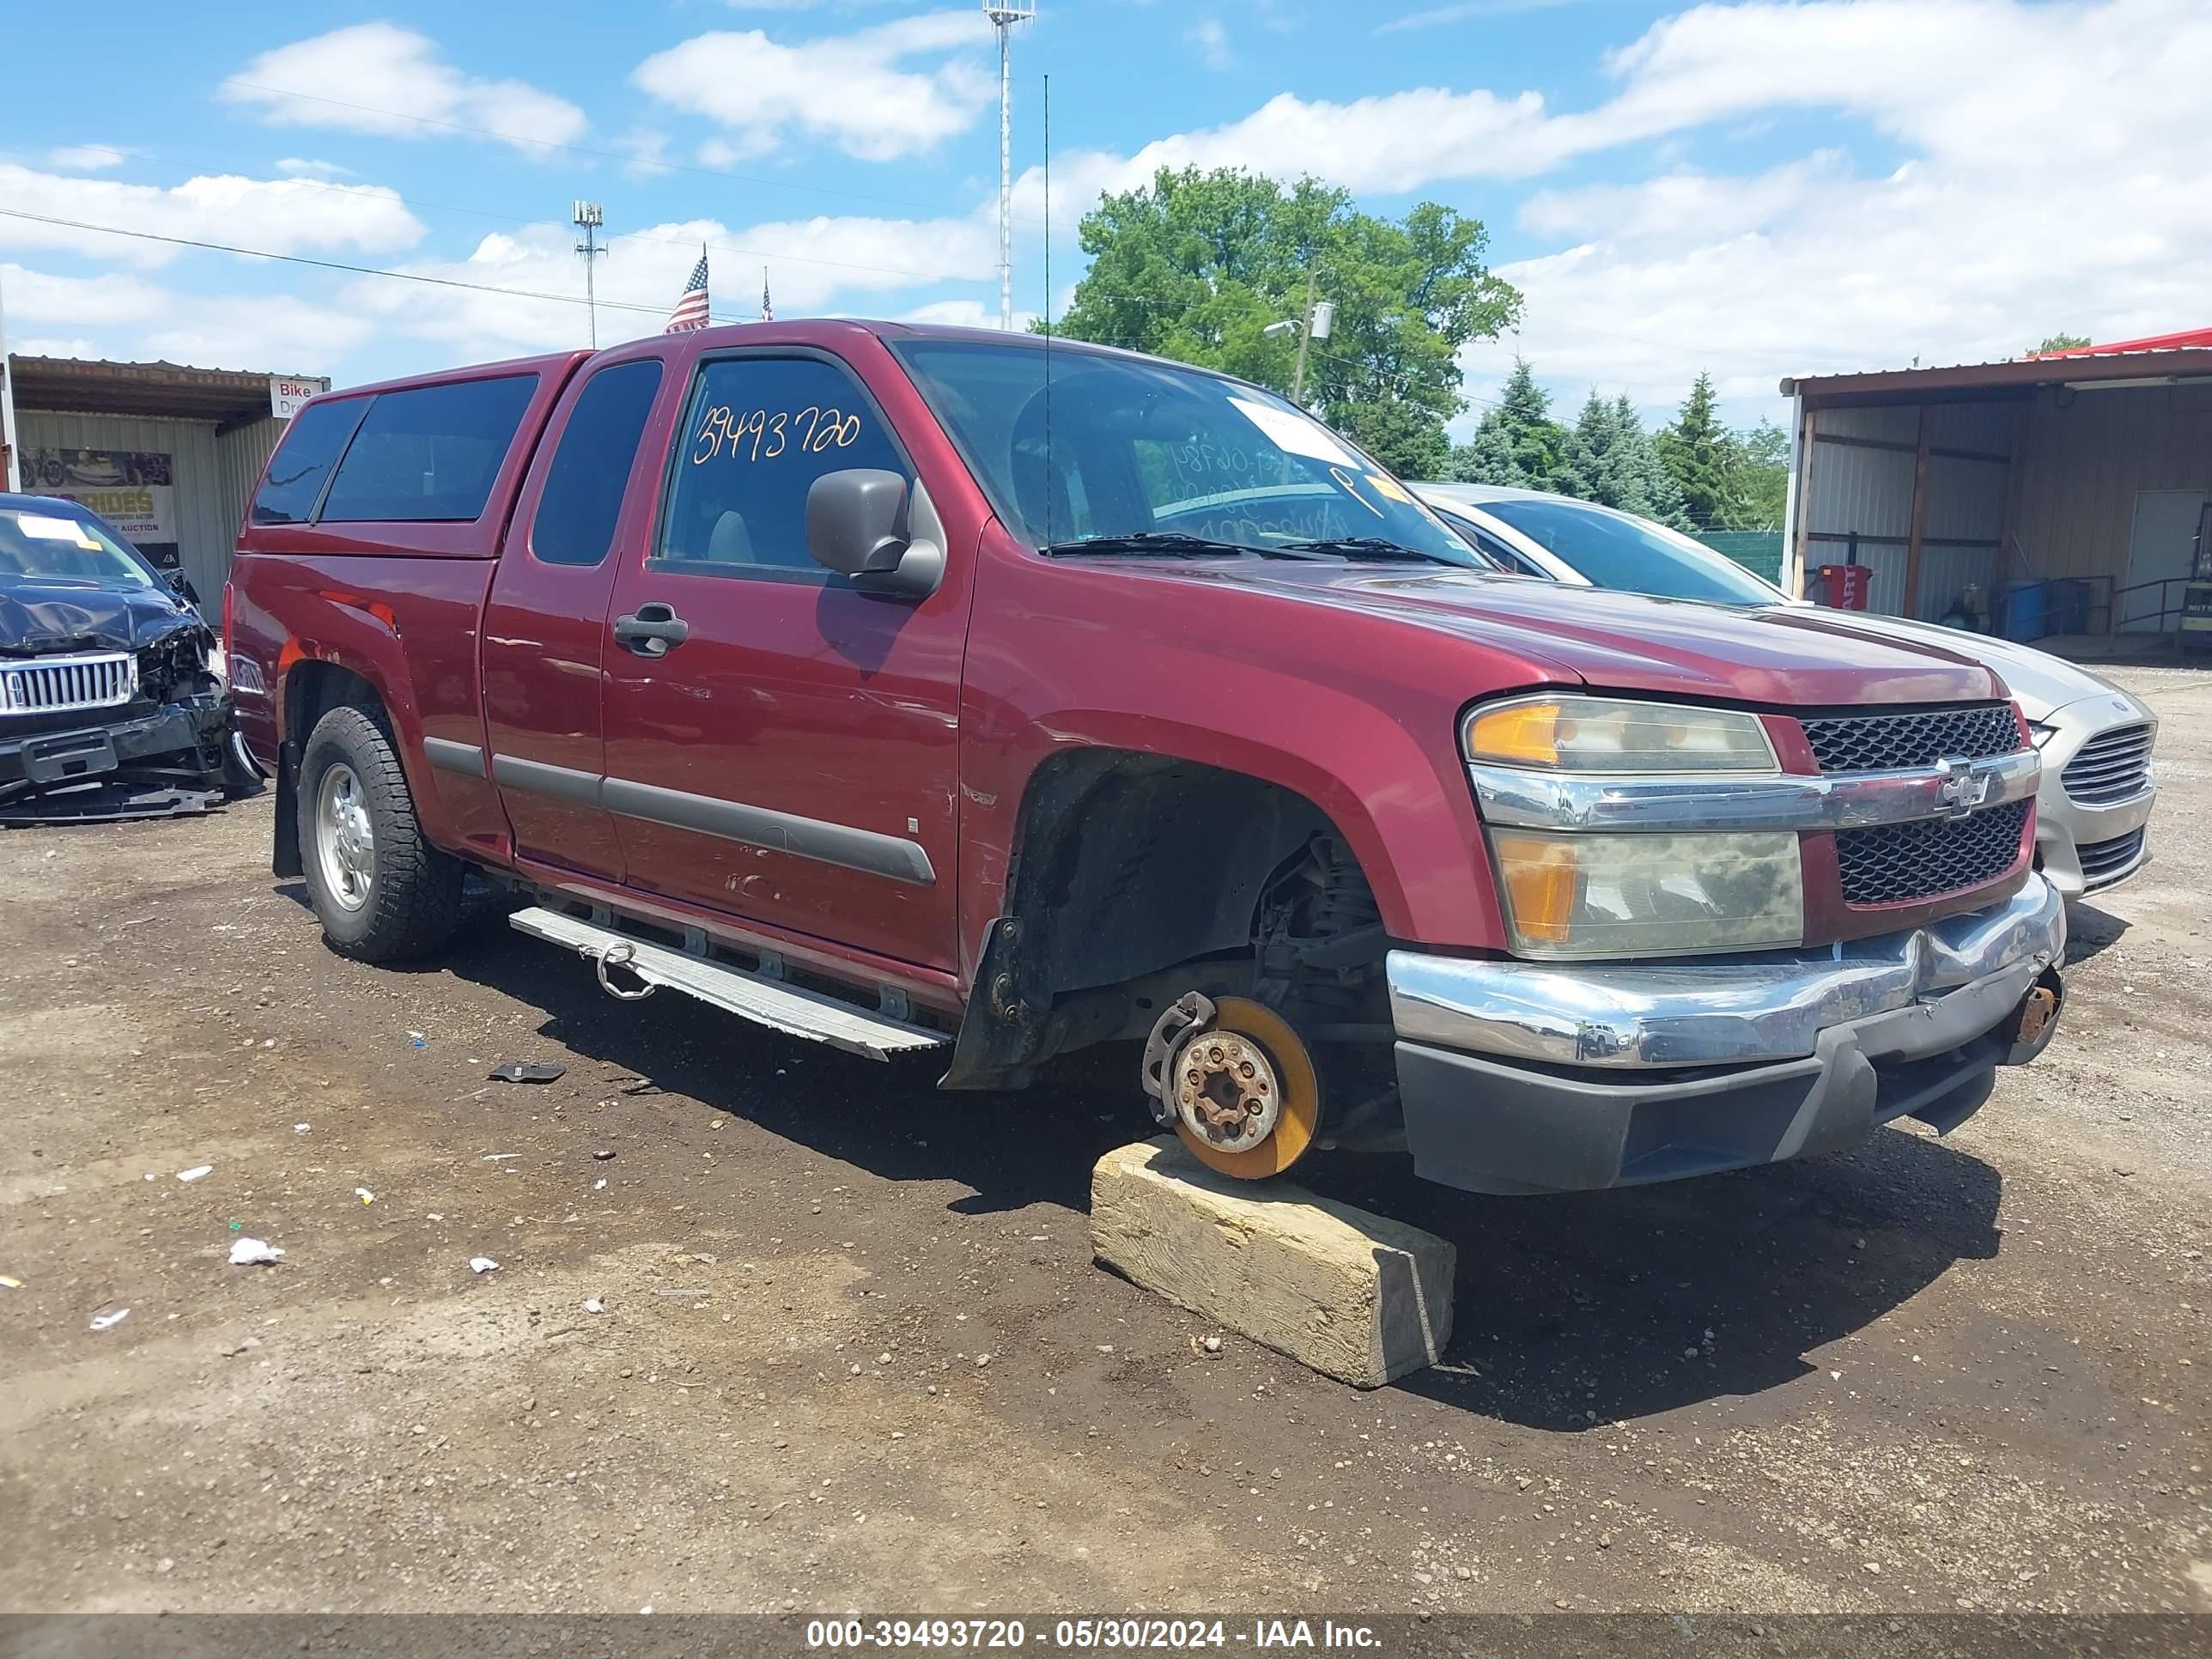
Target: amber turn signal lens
[(1525, 733), (1540, 886)]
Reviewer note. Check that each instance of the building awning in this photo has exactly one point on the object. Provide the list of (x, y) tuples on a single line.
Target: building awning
[(230, 397), (2162, 360)]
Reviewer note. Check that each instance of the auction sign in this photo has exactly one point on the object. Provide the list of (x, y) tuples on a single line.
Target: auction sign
[(133, 491)]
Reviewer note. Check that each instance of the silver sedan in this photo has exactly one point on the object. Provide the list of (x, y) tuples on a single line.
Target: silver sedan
[(2092, 811)]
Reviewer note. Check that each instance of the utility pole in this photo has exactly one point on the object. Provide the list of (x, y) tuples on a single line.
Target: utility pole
[(587, 217), (1003, 18), (10, 462), (1305, 333)]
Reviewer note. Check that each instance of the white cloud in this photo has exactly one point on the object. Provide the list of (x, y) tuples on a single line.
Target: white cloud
[(128, 319), (856, 90), (379, 78), (277, 215), (647, 151), (86, 158), (2057, 183), (301, 167), (1212, 40)]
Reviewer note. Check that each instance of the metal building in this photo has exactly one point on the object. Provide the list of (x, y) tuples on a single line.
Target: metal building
[(167, 454), (2061, 494)]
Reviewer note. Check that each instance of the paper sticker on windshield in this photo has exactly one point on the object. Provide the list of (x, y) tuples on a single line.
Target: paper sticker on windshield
[(40, 527), (1294, 435), (1384, 485)]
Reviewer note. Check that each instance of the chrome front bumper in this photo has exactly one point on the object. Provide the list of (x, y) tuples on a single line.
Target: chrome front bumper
[(1520, 1077)]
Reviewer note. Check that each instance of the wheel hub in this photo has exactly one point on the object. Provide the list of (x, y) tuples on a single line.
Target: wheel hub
[(345, 838), (1226, 1090)]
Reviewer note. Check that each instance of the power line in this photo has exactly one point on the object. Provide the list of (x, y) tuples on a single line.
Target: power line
[(384, 193), (341, 265)]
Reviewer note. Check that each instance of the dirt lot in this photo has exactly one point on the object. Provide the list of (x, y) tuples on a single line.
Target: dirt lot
[(853, 1353)]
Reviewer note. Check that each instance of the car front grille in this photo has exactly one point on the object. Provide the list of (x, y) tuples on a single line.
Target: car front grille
[(1897, 863), (53, 685), (2104, 861), (2112, 766), (1883, 743)]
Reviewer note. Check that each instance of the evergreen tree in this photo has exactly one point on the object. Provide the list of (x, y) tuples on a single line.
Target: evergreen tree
[(1701, 455), (1612, 455), (1519, 444)]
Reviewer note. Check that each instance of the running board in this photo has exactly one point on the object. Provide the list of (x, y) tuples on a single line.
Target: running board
[(784, 1008)]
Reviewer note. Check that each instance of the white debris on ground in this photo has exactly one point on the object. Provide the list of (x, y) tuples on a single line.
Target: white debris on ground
[(254, 1253), (483, 1264)]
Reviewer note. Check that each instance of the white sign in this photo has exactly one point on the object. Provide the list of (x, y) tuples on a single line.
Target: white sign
[(130, 489), (1295, 434), (285, 396)]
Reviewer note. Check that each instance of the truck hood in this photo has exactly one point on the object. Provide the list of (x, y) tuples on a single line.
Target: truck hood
[(1625, 641), (40, 617)]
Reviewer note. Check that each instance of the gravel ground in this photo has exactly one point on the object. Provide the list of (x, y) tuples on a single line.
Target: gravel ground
[(774, 1328)]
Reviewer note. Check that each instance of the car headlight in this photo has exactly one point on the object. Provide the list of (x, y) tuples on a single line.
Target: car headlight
[(1603, 734), (2040, 734), (1644, 894), (1596, 893)]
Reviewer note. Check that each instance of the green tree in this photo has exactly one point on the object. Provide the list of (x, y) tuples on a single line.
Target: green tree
[(1618, 466), (1762, 484), (2062, 342), (1196, 265), (1702, 455), (1518, 444)]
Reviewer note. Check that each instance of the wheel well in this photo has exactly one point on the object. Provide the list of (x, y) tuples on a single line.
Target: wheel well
[(1126, 866), (311, 690)]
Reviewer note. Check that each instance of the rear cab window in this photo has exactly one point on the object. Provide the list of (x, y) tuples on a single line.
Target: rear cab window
[(428, 454), (758, 431), (301, 465)]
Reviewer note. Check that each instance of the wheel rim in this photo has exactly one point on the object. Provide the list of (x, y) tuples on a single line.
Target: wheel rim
[(345, 840), (1251, 1030)]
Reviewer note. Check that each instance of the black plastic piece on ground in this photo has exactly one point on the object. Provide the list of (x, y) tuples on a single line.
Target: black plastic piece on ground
[(517, 1070)]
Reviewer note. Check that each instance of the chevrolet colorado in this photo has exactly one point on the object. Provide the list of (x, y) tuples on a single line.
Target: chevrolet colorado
[(913, 687)]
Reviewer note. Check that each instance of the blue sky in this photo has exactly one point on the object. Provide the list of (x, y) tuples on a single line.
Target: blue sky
[(1755, 189)]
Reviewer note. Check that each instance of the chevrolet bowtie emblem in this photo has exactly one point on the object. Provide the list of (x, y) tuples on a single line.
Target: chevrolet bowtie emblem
[(1962, 789)]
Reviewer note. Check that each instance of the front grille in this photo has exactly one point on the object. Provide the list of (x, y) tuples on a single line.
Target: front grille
[(1893, 863), (2106, 861), (1883, 743), (51, 685), (2112, 766)]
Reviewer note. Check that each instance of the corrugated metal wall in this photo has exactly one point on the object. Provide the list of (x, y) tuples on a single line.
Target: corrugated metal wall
[(2085, 456), (214, 476), (1852, 489)]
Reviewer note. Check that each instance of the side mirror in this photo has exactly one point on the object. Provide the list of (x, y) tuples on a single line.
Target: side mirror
[(180, 585), (862, 523)]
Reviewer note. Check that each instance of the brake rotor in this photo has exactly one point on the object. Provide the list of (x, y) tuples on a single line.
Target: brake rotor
[(1247, 1099)]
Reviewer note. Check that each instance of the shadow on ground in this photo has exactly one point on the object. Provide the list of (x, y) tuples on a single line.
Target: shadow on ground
[(1571, 1312)]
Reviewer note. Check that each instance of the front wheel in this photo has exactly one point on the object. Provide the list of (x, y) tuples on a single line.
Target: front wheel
[(382, 890)]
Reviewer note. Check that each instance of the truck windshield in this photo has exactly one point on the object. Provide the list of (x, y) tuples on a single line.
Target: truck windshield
[(1141, 457), (1614, 550), (47, 544)]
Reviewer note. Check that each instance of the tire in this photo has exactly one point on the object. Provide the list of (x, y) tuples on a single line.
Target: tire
[(382, 892)]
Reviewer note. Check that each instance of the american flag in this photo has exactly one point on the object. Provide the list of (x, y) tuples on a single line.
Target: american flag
[(768, 311), (691, 304)]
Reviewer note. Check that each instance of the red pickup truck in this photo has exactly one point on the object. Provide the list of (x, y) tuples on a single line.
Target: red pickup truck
[(910, 688)]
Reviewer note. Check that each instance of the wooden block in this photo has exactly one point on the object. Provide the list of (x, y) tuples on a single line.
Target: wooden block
[(1357, 1297)]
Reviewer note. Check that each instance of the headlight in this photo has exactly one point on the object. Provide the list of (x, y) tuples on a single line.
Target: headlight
[(1650, 894), (2040, 734), (1601, 734), (1636, 894)]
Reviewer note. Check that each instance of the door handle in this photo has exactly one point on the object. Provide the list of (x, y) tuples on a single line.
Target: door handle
[(652, 631)]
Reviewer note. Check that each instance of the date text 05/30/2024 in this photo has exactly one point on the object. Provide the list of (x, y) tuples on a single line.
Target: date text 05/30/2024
[(833, 1634)]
